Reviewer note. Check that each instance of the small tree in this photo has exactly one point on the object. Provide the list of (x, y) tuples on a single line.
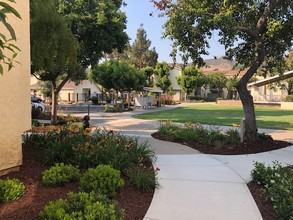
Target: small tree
[(118, 75), (162, 72), (53, 48), (190, 79), (5, 43), (231, 86), (149, 73), (217, 80)]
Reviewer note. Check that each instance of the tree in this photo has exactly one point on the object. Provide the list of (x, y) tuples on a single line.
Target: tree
[(118, 75), (190, 79), (231, 86), (217, 80), (259, 30), (140, 54), (53, 48), (149, 73), (162, 73), (5, 43), (98, 26)]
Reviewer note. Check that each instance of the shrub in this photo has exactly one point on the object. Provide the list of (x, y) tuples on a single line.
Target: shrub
[(82, 206), (11, 190), (142, 178), (289, 98), (102, 179), (95, 100), (59, 175), (36, 123), (232, 136), (277, 183), (265, 136)]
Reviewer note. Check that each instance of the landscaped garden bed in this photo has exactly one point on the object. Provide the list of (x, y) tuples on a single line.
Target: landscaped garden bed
[(129, 162), (271, 187)]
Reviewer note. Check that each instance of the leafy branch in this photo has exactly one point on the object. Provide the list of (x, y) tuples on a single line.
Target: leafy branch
[(6, 44)]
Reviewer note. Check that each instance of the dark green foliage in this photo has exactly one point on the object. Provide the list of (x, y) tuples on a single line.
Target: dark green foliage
[(74, 146), (140, 54), (191, 79), (162, 71), (265, 136), (197, 133), (10, 190), (95, 100), (83, 206), (118, 75), (277, 184), (59, 175), (36, 123), (232, 136), (103, 179), (142, 178)]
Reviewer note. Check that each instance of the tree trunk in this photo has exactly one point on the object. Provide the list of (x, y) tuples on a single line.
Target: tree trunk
[(249, 113), (55, 91), (128, 100), (54, 106)]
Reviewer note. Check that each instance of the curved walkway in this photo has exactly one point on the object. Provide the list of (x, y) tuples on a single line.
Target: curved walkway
[(194, 185)]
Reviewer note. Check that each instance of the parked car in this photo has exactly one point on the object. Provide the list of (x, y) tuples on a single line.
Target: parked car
[(38, 106), (36, 99)]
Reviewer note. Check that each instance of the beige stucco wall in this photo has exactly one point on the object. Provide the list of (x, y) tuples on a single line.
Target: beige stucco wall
[(15, 107)]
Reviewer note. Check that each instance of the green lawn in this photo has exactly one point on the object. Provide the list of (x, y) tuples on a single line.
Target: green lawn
[(266, 116)]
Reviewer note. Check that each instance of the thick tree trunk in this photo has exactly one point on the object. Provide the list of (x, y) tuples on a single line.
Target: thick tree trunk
[(249, 113)]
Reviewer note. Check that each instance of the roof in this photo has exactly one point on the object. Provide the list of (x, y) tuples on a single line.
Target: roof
[(272, 79), (150, 89)]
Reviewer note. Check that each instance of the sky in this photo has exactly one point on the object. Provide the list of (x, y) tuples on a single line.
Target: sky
[(137, 12)]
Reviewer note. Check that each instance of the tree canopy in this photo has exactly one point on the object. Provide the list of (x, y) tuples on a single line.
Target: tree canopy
[(252, 32), (140, 53), (98, 26), (53, 48), (162, 72), (190, 79), (118, 75)]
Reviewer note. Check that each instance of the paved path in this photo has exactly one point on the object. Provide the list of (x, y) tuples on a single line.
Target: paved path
[(194, 185)]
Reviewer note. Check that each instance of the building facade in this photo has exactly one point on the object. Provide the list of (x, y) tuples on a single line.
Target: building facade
[(15, 103)]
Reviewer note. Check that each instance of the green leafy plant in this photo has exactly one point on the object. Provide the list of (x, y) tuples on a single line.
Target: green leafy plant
[(142, 178), (11, 189), (102, 179), (265, 136), (59, 175), (83, 205), (232, 136), (277, 184)]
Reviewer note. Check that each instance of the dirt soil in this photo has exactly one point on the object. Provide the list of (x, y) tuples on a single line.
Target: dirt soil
[(265, 206), (36, 196)]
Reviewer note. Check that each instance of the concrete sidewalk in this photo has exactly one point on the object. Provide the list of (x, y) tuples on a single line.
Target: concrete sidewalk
[(195, 185)]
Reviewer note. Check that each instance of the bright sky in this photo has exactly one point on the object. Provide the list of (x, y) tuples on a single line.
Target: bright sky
[(137, 12)]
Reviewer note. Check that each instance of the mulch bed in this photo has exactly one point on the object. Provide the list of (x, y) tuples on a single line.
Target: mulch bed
[(237, 149), (265, 206), (135, 202)]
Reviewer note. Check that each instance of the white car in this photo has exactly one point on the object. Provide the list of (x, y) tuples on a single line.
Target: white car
[(38, 105)]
